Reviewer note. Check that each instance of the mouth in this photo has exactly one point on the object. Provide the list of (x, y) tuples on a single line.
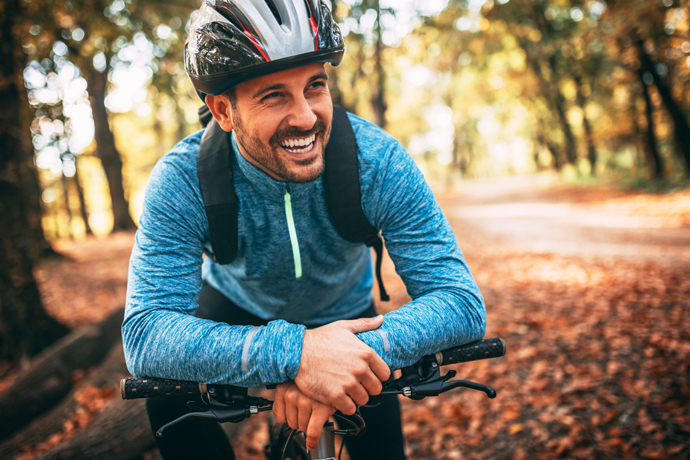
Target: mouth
[(300, 147)]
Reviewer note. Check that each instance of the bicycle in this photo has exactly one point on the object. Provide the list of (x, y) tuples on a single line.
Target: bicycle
[(228, 403)]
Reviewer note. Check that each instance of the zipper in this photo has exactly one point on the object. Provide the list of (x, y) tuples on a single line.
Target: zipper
[(293, 233)]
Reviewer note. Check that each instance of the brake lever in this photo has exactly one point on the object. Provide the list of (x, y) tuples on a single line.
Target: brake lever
[(437, 387), (218, 411), (433, 384)]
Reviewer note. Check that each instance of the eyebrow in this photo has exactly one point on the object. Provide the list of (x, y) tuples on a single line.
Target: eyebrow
[(265, 89)]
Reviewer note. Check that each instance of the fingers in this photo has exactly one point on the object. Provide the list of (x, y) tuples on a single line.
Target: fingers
[(293, 407), (279, 404), (371, 384), (305, 413), (358, 394), (379, 367), (362, 324), (344, 404), (319, 417)]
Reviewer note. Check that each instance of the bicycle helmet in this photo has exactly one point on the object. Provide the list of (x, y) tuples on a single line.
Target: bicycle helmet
[(230, 41)]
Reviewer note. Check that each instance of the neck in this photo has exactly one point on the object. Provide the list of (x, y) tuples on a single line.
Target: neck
[(251, 160)]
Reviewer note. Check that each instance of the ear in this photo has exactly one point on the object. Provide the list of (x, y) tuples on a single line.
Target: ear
[(221, 110)]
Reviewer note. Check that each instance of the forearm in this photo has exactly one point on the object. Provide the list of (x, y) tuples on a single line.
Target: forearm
[(179, 346), (431, 323)]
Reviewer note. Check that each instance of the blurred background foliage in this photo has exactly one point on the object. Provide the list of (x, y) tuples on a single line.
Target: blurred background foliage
[(592, 90)]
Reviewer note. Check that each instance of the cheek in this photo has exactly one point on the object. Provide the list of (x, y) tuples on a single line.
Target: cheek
[(267, 130)]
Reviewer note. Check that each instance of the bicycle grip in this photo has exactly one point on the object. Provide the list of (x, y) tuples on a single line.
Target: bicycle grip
[(483, 349), (146, 387)]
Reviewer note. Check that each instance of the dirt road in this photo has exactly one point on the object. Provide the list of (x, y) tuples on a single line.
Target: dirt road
[(540, 216)]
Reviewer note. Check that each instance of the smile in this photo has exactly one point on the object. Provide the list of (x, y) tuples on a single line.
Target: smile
[(298, 146)]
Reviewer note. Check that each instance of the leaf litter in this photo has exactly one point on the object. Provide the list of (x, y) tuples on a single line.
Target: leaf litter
[(597, 362)]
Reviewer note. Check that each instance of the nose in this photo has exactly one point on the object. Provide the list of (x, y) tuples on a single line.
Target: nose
[(301, 114)]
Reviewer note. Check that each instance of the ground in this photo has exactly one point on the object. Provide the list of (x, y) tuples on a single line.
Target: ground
[(590, 288)]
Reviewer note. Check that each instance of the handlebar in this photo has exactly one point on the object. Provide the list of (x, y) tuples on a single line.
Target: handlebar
[(229, 403), (146, 387), (483, 349)]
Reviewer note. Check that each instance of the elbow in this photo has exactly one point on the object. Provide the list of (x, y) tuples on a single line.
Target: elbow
[(130, 353), (480, 320), (131, 340), (472, 307), (481, 325)]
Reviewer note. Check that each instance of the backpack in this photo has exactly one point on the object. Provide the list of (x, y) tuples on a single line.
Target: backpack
[(340, 182)]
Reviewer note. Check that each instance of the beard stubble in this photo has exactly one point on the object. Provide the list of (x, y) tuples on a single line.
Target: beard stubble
[(269, 156)]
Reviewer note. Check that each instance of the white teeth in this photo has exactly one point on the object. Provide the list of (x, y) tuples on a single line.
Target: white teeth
[(307, 141)]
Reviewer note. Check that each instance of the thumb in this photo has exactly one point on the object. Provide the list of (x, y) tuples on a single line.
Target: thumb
[(362, 324)]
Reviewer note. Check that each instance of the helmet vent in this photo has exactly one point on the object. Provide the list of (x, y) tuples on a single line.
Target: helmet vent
[(274, 9)]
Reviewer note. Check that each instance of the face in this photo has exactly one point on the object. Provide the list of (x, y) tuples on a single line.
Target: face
[(282, 122)]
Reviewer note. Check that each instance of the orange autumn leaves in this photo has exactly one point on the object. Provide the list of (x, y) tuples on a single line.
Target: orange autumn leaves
[(90, 401)]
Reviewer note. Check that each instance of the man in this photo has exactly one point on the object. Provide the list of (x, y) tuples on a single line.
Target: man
[(260, 68)]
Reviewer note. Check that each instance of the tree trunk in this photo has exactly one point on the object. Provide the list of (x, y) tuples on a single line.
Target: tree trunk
[(25, 327), (68, 208), (680, 121), (106, 150), (656, 163), (107, 374), (559, 105), (120, 432), (591, 149), (378, 99), (31, 189), (82, 202), (557, 161), (555, 100), (49, 378), (29, 183)]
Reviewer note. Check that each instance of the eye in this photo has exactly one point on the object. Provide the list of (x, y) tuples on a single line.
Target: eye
[(271, 96)]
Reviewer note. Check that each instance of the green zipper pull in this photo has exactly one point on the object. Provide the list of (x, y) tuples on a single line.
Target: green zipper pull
[(293, 233)]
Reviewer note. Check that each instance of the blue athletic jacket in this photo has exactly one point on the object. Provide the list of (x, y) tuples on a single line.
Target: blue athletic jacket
[(163, 338)]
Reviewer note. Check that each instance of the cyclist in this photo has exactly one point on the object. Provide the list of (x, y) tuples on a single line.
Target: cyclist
[(294, 307)]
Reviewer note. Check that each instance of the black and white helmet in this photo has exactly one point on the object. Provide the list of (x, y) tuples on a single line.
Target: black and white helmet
[(231, 41)]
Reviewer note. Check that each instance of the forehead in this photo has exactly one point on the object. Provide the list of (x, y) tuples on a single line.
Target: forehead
[(297, 76)]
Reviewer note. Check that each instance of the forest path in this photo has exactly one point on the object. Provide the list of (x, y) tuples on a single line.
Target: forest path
[(540, 216)]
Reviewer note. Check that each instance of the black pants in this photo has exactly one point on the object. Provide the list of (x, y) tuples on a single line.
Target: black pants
[(205, 439)]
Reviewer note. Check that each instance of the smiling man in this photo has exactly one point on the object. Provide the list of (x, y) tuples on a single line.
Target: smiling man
[(286, 146), (289, 301)]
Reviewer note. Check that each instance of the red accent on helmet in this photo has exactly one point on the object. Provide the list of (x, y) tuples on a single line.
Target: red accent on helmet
[(315, 30), (256, 44)]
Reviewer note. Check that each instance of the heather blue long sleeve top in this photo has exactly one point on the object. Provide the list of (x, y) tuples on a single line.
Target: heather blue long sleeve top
[(163, 338)]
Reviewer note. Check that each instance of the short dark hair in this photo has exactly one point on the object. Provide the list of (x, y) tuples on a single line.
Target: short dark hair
[(231, 94)]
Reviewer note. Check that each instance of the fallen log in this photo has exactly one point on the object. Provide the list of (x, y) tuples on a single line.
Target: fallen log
[(120, 432), (49, 378), (50, 426)]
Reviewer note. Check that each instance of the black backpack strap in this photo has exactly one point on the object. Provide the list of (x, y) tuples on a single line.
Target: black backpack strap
[(205, 115), (342, 190), (214, 169)]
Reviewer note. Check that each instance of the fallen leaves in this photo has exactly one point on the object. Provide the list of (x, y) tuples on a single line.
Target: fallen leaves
[(598, 348), (91, 401), (89, 282), (597, 363)]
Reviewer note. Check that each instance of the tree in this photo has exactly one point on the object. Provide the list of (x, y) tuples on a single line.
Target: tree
[(94, 32), (25, 327), (653, 32)]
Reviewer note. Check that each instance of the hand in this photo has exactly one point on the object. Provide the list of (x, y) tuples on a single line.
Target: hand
[(300, 412), (338, 369)]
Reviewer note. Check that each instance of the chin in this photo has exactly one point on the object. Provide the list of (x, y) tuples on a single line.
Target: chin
[(306, 170)]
